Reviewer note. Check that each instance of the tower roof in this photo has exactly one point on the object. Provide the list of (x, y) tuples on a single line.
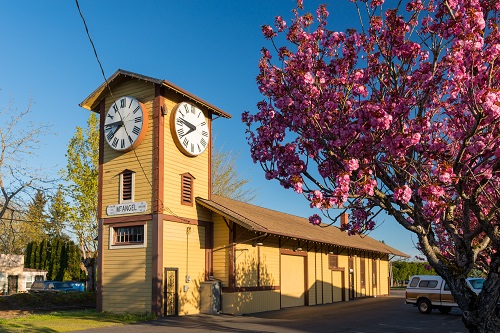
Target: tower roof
[(92, 101)]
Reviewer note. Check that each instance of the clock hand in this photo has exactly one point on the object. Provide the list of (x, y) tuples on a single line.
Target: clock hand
[(191, 127), (119, 122)]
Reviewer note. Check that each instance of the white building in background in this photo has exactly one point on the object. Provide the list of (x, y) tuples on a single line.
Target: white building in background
[(14, 278)]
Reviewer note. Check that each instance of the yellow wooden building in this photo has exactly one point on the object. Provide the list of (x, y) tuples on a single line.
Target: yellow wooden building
[(168, 246)]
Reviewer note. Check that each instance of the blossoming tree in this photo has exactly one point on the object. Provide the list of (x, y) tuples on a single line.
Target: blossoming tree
[(399, 115)]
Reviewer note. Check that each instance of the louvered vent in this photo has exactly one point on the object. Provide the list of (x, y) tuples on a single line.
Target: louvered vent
[(187, 189), (127, 186)]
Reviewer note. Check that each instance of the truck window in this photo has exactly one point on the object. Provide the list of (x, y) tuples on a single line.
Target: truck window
[(428, 284), (414, 282)]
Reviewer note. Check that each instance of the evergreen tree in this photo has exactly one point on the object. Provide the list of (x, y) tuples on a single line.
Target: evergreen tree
[(36, 216), (58, 214)]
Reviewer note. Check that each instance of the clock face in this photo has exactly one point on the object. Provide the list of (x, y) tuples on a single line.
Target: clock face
[(189, 129), (126, 124)]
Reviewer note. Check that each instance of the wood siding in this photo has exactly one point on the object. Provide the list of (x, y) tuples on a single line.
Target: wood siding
[(176, 164), (221, 250), (126, 285), (116, 162), (184, 249)]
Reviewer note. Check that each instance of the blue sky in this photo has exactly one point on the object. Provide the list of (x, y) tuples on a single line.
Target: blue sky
[(208, 47)]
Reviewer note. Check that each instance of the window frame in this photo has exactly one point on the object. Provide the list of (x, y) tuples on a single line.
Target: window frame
[(113, 244)]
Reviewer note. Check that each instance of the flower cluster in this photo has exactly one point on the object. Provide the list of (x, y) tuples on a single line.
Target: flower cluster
[(381, 118)]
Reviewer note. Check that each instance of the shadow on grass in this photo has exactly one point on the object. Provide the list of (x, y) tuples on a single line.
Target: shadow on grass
[(68, 321)]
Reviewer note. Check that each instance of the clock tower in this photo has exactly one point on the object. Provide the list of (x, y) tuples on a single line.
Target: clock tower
[(154, 160)]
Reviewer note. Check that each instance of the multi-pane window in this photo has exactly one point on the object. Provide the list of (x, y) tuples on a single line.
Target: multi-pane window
[(29, 281), (127, 179), (128, 235)]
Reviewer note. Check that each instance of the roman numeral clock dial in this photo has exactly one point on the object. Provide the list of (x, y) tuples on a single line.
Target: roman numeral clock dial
[(189, 129), (126, 124)]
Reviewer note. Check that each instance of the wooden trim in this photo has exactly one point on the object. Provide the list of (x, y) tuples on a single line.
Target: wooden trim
[(158, 190), (306, 280), (210, 145), (231, 265), (293, 253), (131, 218), (209, 248), (247, 289), (100, 247), (158, 149), (100, 227), (126, 224), (102, 118), (157, 266)]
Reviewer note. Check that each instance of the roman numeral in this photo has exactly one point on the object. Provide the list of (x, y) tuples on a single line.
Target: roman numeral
[(185, 142), (130, 139), (131, 101), (107, 127), (186, 107), (203, 142), (109, 136), (137, 109), (123, 143), (138, 119), (110, 116), (115, 107), (179, 122), (115, 142), (122, 103), (192, 148), (203, 124), (136, 130), (199, 149), (204, 133), (180, 132)]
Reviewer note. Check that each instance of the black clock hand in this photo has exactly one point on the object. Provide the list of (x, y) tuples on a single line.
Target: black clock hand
[(191, 127), (119, 122)]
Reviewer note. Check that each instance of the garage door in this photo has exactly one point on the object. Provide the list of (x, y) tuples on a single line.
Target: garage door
[(292, 281)]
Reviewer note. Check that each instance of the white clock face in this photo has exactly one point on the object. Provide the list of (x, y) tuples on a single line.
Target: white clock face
[(125, 124), (189, 129)]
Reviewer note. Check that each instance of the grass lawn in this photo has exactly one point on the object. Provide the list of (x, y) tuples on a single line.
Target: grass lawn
[(67, 321)]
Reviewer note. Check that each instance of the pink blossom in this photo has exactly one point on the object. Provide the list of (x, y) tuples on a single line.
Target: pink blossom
[(403, 194), (315, 219)]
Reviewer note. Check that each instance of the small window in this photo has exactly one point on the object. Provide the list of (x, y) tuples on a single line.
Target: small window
[(29, 281), (333, 261), (446, 287), (428, 284), (187, 189), (127, 184), (414, 282), (131, 236)]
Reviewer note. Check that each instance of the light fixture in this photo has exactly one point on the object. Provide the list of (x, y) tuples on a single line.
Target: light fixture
[(331, 252), (259, 244)]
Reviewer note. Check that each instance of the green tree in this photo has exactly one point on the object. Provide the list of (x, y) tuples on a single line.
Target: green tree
[(58, 213), (226, 181), (36, 216), (82, 174)]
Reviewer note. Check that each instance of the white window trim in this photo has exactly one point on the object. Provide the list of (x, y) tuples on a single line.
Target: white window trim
[(132, 189), (131, 246)]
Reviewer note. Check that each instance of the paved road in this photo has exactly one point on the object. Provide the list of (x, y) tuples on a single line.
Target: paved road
[(371, 315)]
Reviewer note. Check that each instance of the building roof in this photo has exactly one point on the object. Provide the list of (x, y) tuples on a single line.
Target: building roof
[(272, 222), (92, 101)]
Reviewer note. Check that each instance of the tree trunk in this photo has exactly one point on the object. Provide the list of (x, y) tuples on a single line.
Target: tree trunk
[(89, 264), (478, 322)]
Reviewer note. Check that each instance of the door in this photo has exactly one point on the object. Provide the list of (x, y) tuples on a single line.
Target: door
[(292, 281), (171, 292), (12, 284)]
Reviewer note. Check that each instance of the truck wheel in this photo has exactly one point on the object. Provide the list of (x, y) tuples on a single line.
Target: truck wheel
[(444, 309), (424, 306)]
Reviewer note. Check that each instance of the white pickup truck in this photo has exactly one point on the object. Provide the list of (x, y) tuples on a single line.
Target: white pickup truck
[(429, 292)]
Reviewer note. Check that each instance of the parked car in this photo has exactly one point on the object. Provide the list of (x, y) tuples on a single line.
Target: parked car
[(51, 286), (80, 286), (429, 292)]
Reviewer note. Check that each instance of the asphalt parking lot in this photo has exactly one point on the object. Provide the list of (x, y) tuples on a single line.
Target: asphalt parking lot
[(371, 315)]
